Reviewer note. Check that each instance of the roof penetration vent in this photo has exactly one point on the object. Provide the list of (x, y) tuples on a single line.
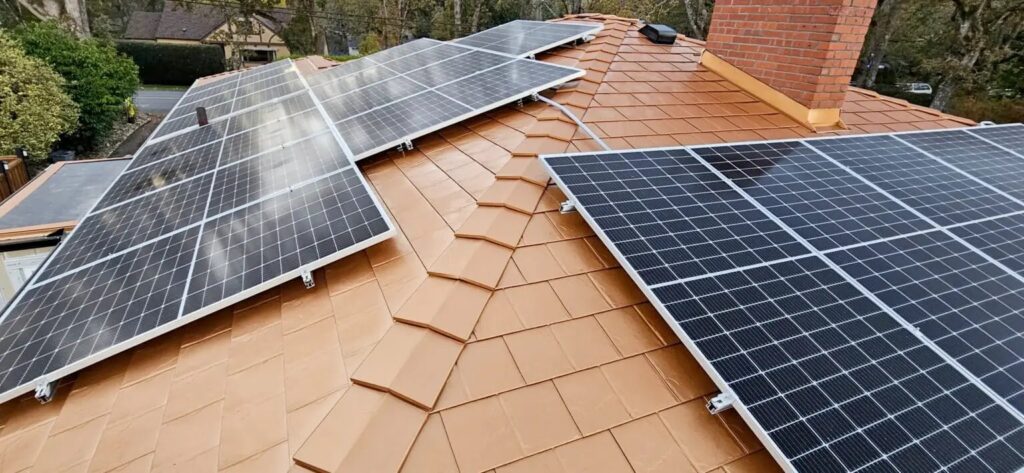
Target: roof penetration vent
[(660, 34)]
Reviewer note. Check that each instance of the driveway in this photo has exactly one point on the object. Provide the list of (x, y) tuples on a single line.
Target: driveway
[(157, 101)]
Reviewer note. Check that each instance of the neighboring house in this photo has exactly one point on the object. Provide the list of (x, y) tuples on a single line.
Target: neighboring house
[(568, 368), (207, 24), (33, 220)]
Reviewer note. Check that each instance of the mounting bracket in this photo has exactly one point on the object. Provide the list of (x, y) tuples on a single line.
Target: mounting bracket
[(45, 390), (408, 145), (535, 97), (307, 280), (567, 207), (721, 402)]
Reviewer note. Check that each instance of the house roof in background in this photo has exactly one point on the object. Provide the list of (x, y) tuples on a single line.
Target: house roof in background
[(566, 367), (62, 193), (195, 22)]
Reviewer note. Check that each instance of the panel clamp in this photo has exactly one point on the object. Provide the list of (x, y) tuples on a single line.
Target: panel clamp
[(567, 207), (535, 97), (407, 146), (45, 390), (307, 280), (721, 402)]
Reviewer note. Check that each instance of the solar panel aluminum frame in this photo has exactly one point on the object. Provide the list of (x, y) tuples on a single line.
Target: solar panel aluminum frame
[(185, 319), (582, 36), (473, 111), (759, 431)]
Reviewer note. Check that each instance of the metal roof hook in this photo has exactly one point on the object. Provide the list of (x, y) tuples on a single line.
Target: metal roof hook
[(45, 390), (721, 402)]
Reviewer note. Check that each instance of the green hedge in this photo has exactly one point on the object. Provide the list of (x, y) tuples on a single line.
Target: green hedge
[(173, 64)]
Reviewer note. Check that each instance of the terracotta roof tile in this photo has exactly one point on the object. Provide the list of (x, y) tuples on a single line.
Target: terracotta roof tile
[(410, 362), (617, 288), (538, 354), (446, 306), (475, 261), (367, 430), (597, 453), (540, 229), (539, 417), (431, 453), (650, 448), (579, 295), (638, 385), (527, 169), (585, 343), (704, 439), (629, 331), (514, 194), (681, 372), (591, 401), (537, 263), (499, 317), (481, 435), (536, 304), (495, 224)]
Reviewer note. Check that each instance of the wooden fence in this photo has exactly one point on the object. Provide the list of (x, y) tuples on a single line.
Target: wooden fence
[(13, 175)]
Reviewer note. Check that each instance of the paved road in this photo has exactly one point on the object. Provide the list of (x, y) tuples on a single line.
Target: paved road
[(157, 101)]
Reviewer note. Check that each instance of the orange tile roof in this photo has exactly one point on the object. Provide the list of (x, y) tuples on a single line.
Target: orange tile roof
[(492, 334)]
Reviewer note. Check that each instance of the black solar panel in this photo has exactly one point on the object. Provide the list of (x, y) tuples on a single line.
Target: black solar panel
[(836, 382), (390, 125), (828, 206), (1000, 238), (890, 334), (939, 192), (993, 165), (669, 216)]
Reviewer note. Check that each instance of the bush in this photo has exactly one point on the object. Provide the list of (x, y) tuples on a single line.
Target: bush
[(96, 77), (369, 45), (173, 64), (34, 110), (982, 108)]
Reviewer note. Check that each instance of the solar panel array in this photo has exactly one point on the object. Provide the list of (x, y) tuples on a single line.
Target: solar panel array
[(384, 100), (205, 216), (527, 37), (861, 297)]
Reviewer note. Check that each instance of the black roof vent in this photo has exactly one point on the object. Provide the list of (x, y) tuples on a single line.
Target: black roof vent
[(660, 34)]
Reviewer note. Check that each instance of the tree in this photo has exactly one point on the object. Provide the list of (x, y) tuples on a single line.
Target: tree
[(96, 76), (882, 27), (71, 13), (985, 31), (34, 110), (369, 45)]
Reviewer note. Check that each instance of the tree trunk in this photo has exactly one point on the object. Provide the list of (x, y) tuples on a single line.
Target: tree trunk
[(456, 18), (877, 42), (475, 26), (72, 12), (944, 94)]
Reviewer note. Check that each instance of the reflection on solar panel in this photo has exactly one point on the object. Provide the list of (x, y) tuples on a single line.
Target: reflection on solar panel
[(1010, 137), (411, 90), (525, 37), (888, 338), (200, 219)]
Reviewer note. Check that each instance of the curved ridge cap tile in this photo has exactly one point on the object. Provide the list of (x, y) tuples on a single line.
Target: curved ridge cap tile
[(495, 224), (367, 430), (410, 362), (526, 169), (514, 194), (475, 261), (447, 306)]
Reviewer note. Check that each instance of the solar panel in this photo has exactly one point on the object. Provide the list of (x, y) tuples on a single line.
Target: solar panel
[(825, 204), (937, 191), (998, 167), (526, 37), (1010, 137), (889, 338), (201, 219)]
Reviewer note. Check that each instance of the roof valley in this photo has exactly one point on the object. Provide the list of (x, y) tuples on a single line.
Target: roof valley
[(413, 361)]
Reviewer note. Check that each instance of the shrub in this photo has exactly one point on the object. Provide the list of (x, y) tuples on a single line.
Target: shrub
[(96, 77), (981, 108), (173, 64), (34, 110), (369, 45)]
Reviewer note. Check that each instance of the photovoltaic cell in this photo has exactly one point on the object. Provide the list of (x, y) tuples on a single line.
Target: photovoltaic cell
[(835, 382), (65, 321), (270, 112), (349, 83), (390, 125), (825, 204), (525, 37), (358, 101), (1011, 137), (423, 58), (995, 166), (494, 85), (972, 309), (161, 174), (341, 70), (1001, 239), (252, 179), (153, 152), (256, 244), (937, 191), (669, 216), (118, 228), (272, 136), (457, 68)]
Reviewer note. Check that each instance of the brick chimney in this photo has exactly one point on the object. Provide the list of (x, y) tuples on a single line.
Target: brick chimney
[(797, 55)]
